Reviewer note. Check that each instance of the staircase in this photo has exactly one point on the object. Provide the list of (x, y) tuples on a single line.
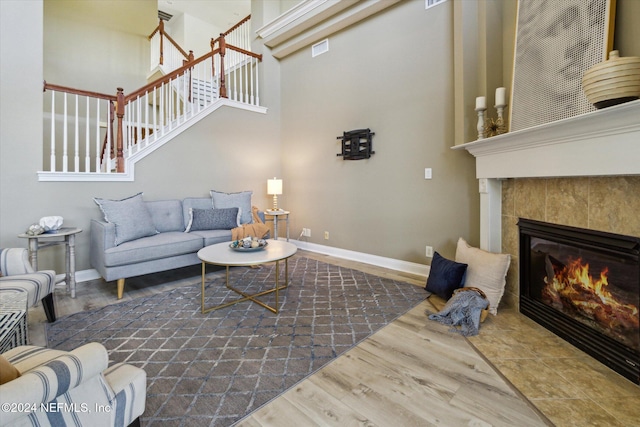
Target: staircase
[(100, 137)]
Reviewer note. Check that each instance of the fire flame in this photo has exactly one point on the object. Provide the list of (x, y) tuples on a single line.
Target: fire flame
[(573, 287)]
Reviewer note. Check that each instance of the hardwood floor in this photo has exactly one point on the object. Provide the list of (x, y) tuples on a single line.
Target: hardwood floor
[(415, 373)]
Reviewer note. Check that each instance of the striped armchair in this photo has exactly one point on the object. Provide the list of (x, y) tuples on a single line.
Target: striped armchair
[(18, 275), (59, 388)]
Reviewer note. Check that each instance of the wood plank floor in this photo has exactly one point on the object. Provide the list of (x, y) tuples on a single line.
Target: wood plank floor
[(415, 373)]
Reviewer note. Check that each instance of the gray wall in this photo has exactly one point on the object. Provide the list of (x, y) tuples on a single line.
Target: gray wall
[(392, 73)]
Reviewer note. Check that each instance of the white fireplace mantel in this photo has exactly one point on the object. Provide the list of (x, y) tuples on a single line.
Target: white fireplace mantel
[(601, 143)]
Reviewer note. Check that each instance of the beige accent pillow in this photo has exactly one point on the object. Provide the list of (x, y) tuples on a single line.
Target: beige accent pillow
[(8, 372), (486, 271)]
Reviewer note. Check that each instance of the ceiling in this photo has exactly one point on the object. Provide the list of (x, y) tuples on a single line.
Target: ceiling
[(221, 13)]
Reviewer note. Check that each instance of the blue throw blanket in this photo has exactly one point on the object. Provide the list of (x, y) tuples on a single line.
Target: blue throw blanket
[(463, 310)]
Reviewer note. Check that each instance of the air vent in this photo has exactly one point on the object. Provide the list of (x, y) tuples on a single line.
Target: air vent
[(164, 15), (431, 3), (320, 48)]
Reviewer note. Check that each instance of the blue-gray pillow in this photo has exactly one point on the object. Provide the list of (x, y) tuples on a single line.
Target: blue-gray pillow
[(240, 200), (130, 216), (213, 219), (445, 276)]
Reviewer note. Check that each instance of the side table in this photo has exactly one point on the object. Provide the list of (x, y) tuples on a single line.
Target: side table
[(44, 240), (13, 319), (277, 216)]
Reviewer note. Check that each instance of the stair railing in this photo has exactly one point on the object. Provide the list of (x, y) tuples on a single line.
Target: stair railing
[(124, 125), (168, 55)]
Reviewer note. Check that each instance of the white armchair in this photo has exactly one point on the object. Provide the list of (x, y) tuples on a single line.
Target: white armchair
[(57, 388), (18, 275)]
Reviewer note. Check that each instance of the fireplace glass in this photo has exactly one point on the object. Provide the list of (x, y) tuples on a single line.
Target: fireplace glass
[(584, 285)]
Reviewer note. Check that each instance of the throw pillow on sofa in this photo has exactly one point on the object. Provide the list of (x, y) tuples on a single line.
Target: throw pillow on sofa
[(486, 271), (130, 216), (213, 219), (445, 276), (240, 200)]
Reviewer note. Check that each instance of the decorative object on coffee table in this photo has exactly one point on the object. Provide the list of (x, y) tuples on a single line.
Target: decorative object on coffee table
[(614, 81)]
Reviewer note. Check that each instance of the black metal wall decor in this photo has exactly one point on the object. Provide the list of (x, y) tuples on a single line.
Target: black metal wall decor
[(357, 144)]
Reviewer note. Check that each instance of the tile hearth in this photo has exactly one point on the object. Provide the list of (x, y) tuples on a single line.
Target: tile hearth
[(569, 387)]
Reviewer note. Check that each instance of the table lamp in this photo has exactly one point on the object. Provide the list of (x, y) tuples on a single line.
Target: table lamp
[(274, 187)]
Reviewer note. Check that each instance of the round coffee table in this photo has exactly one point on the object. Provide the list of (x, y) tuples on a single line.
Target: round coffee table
[(222, 254)]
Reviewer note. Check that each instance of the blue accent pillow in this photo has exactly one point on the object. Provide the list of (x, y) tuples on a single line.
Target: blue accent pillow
[(213, 219), (445, 276)]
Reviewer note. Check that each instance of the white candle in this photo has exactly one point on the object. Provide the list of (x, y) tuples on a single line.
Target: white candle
[(481, 102), (501, 96)]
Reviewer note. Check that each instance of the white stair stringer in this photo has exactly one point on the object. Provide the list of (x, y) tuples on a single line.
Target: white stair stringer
[(144, 147)]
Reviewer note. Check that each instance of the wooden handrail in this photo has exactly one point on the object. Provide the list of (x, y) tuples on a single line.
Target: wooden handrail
[(165, 79), (77, 91), (226, 33), (246, 52)]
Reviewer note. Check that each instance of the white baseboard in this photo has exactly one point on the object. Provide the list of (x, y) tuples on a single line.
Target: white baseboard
[(390, 263)]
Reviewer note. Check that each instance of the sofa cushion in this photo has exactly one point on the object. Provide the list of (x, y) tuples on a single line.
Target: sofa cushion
[(159, 246), (166, 214), (130, 216), (240, 200), (211, 237), (213, 219)]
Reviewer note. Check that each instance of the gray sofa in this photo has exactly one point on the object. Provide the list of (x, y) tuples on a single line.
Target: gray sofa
[(171, 247)]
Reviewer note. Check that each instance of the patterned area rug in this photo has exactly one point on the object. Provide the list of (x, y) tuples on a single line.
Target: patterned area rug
[(212, 369)]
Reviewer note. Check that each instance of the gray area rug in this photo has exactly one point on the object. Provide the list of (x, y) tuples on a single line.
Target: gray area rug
[(212, 369)]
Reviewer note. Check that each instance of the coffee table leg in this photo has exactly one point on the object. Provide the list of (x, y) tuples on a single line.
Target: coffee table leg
[(203, 274)]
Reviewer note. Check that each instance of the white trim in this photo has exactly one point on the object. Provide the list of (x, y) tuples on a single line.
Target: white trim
[(301, 9), (428, 4), (599, 143), (390, 263)]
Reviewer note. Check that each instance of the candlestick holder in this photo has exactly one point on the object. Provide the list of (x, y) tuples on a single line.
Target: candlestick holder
[(501, 126), (480, 127)]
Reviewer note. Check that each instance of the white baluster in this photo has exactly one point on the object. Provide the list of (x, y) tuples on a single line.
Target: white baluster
[(98, 134), (65, 136), (107, 148), (76, 145), (257, 84), (87, 156), (52, 157)]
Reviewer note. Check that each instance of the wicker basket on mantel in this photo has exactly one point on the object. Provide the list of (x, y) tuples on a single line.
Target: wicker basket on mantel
[(613, 81)]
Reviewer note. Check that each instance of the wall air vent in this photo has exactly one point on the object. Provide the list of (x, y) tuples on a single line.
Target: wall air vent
[(164, 15), (431, 3), (320, 48)]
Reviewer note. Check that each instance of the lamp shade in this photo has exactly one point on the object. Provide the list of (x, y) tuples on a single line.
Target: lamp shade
[(274, 186)]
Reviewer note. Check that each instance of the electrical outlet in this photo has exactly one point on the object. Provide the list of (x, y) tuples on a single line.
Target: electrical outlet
[(306, 232), (326, 235), (429, 251)]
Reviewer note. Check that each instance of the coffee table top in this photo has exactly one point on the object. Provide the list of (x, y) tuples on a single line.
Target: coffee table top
[(222, 254)]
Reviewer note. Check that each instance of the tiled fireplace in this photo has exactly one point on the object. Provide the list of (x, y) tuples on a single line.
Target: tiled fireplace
[(580, 172), (584, 286)]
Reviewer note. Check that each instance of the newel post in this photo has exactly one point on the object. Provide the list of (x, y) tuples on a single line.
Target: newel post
[(119, 140), (223, 48)]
